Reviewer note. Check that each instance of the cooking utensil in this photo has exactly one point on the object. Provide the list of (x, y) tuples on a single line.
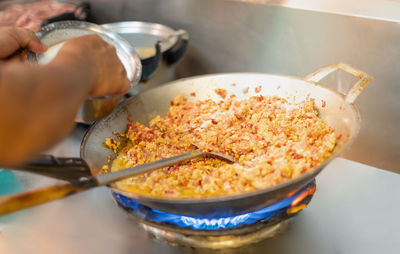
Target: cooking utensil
[(144, 36), (63, 168), (335, 108), (28, 199)]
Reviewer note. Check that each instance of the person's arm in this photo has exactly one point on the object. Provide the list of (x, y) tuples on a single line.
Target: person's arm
[(38, 103)]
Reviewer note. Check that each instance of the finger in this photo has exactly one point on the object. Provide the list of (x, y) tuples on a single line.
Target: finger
[(27, 39), (36, 47)]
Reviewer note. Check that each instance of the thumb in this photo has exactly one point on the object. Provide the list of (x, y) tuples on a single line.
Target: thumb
[(36, 46)]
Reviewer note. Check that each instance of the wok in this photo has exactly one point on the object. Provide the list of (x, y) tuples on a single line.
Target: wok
[(335, 108)]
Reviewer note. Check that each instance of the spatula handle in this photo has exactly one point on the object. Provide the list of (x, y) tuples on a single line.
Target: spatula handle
[(16, 202)]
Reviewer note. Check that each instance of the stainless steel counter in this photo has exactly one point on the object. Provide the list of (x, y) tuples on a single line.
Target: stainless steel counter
[(355, 210)]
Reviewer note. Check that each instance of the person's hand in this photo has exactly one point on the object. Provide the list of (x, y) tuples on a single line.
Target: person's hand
[(13, 38), (98, 59), (38, 103)]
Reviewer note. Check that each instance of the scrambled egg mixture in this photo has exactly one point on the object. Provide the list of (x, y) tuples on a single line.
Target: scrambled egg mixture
[(272, 139)]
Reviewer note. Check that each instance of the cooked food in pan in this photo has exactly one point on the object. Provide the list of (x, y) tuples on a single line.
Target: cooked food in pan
[(273, 140)]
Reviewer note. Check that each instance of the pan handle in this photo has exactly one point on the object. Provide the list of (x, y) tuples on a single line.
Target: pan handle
[(68, 169), (150, 64), (176, 52), (81, 12), (19, 201), (355, 90)]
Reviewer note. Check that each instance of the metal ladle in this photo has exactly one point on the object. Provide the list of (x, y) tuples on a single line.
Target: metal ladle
[(16, 202)]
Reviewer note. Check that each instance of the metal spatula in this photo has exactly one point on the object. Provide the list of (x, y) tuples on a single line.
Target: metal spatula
[(28, 199)]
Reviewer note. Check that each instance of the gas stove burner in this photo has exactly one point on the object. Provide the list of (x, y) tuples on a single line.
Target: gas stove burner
[(283, 207), (224, 232), (215, 242)]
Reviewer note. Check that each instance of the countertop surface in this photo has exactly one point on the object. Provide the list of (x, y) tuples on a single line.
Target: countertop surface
[(355, 210)]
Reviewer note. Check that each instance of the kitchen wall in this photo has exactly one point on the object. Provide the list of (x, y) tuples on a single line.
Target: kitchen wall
[(231, 36)]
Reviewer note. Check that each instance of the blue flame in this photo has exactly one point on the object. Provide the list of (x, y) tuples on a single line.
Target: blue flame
[(158, 216)]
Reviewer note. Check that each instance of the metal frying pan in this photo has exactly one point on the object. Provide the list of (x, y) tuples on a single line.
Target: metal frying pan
[(335, 108)]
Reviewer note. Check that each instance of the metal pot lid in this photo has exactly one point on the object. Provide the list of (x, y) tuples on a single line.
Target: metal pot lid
[(55, 34), (145, 34)]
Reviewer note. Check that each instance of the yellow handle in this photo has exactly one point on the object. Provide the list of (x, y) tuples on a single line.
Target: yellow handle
[(16, 202)]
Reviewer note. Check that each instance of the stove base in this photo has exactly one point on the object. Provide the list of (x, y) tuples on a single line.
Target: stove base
[(215, 242)]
